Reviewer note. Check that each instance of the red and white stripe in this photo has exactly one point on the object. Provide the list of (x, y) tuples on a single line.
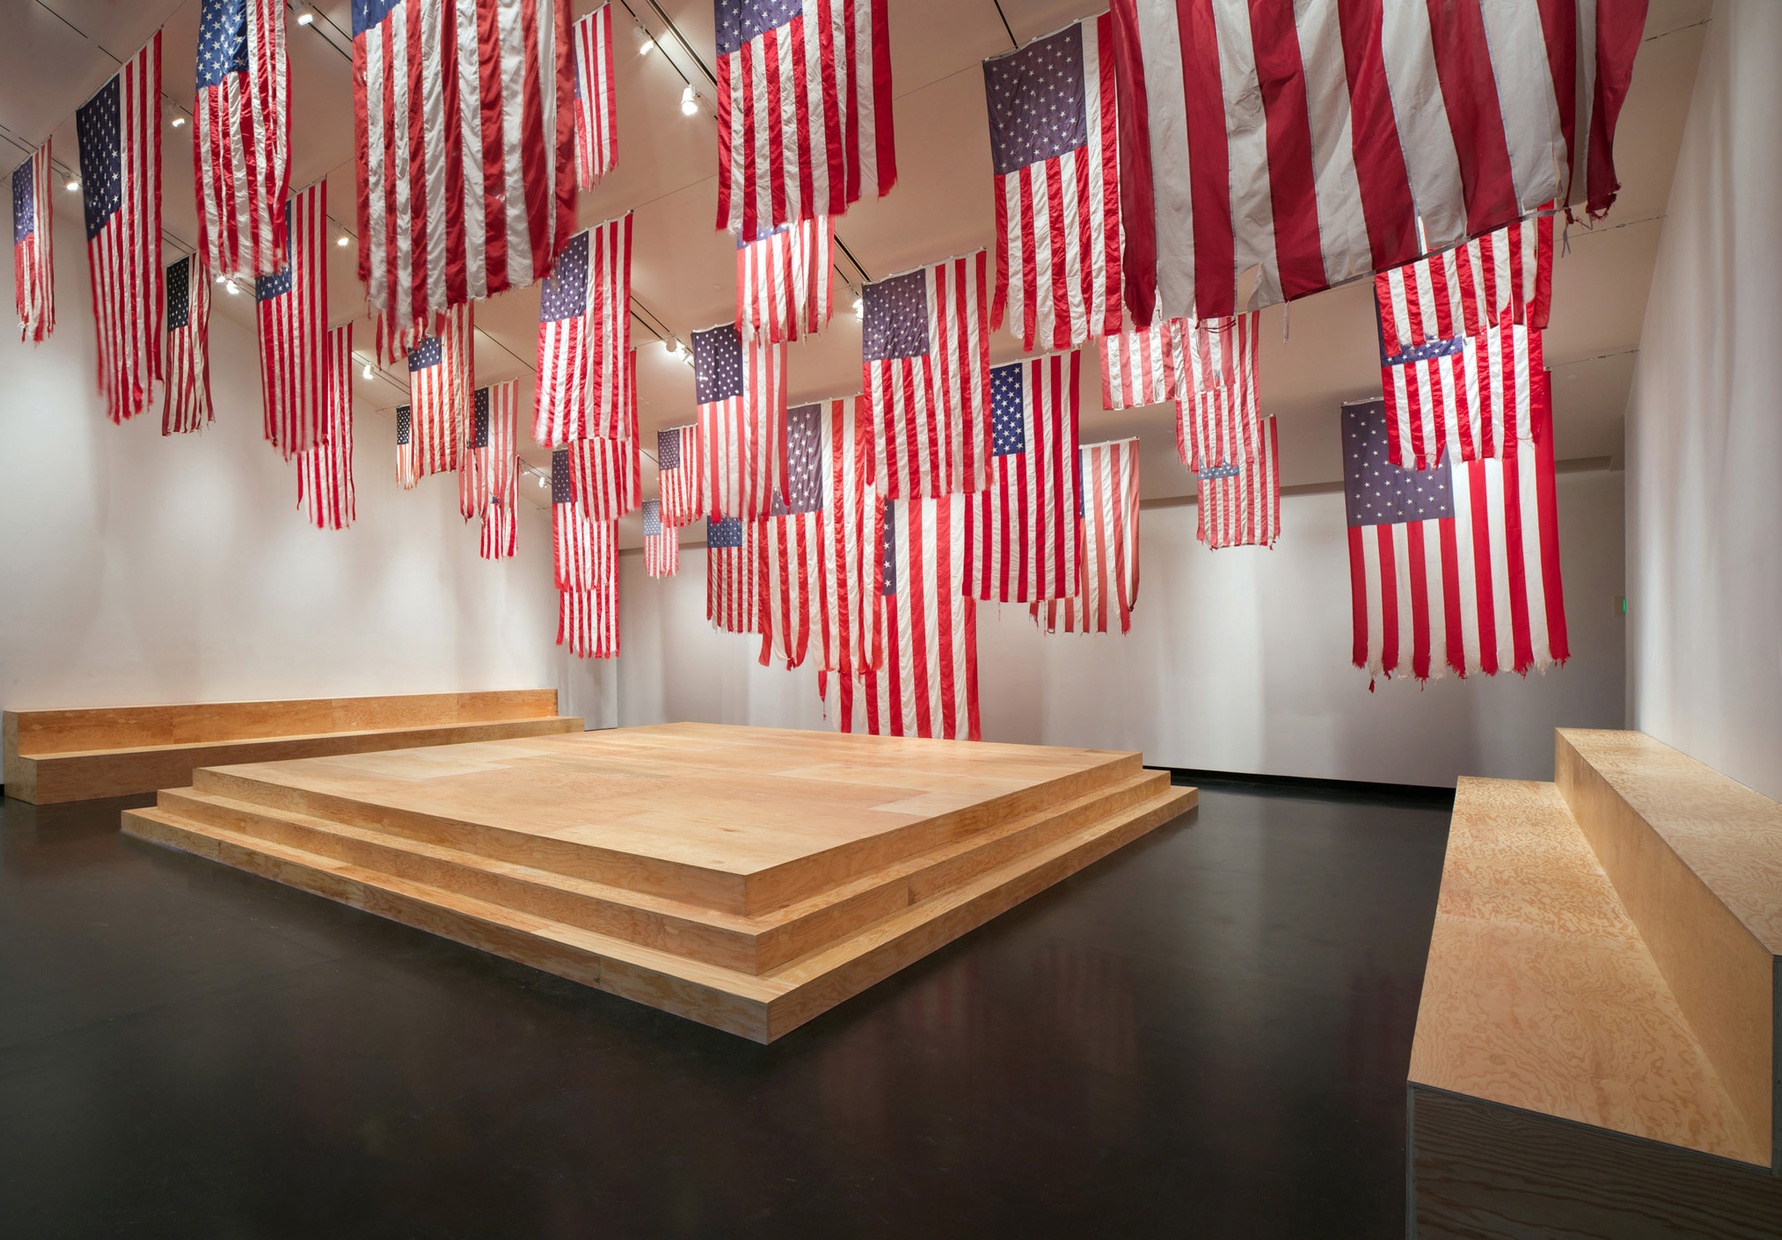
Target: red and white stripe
[(784, 281), (662, 551), (1058, 222), (1138, 366), (1218, 413), (1471, 403), (734, 584), (791, 587), (186, 405), (293, 328), (1317, 142), (440, 395), (394, 339), (588, 616), (851, 532), (574, 547), (605, 475), (740, 437), (499, 539), (464, 127), (1245, 508), (595, 96), (241, 151), (585, 364), (486, 474), (325, 468), (33, 268), (1503, 277), (1110, 537), (408, 460), (124, 258), (804, 116), (1021, 530), (682, 489)]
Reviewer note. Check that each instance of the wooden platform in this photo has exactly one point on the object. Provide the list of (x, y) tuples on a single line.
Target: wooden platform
[(76, 755), (746, 878)]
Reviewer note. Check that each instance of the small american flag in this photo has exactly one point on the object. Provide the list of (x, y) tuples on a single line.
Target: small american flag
[(1240, 503), (325, 468), (1053, 142), (792, 550), (187, 406), (1138, 366), (1503, 277), (1453, 567), (1021, 531), (733, 577), (441, 378), (584, 338), (804, 109), (677, 465), (784, 280), (572, 533), (486, 464), (926, 372), (741, 389), (33, 271), (1469, 396), (241, 135), (120, 178), (500, 536), (662, 543), (408, 459), (594, 96), (291, 306), (852, 538), (1109, 536), (1218, 412)]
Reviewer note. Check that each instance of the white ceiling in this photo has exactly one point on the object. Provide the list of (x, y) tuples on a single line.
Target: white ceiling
[(1316, 353)]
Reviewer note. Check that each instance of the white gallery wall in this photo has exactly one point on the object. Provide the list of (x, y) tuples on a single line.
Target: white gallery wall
[(143, 569), (1238, 660), (1704, 424)]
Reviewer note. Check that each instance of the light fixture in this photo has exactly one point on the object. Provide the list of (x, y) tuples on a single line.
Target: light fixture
[(645, 44), (73, 184), (222, 279), (689, 102), (234, 289), (860, 307), (674, 347), (341, 240), (305, 18), (178, 121), (369, 374)]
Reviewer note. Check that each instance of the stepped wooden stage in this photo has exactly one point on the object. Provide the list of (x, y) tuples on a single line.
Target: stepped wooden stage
[(747, 878)]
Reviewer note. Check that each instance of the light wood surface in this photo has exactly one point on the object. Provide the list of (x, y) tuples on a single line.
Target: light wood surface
[(616, 859)]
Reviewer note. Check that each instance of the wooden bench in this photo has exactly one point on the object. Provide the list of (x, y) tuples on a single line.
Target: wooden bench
[(1596, 1047), (77, 755)]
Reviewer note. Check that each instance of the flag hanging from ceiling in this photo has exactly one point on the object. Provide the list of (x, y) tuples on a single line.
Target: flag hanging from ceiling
[(33, 271), (408, 458), (186, 406), (120, 182), (594, 96), (588, 617), (241, 136), (291, 306), (441, 379), (741, 389), (662, 543), (1470, 396), (1218, 411), (1240, 502), (1021, 530), (397, 334), (606, 476), (464, 128), (784, 280), (804, 109), (926, 372), (500, 534), (677, 466), (1109, 576), (325, 468), (574, 564), (486, 464), (1138, 366), (584, 338), (1321, 141), (852, 540), (1455, 567), (733, 577), (1503, 277), (792, 542), (1054, 147)]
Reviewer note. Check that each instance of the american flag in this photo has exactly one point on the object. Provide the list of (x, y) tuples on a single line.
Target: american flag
[(792, 542), (588, 615), (733, 576), (1218, 412), (1453, 567), (187, 404), (677, 466), (241, 136), (120, 178), (291, 306), (1109, 533), (662, 543), (1054, 145), (1021, 531), (408, 457), (606, 476), (572, 532), (592, 37), (926, 372), (441, 378), (397, 334), (784, 280), (741, 389), (465, 145), (852, 537), (500, 535), (1240, 503), (1322, 141), (804, 109), (486, 465), (1469, 396), (584, 338), (33, 271), (1503, 277), (325, 468), (1138, 366)]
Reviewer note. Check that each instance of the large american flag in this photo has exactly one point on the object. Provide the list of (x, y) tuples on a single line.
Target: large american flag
[(291, 306), (595, 94), (1240, 502), (1218, 410), (486, 465), (733, 579), (1109, 578), (1054, 146), (784, 280), (464, 126), (804, 109), (792, 558), (741, 389), (1468, 396), (408, 458), (677, 467), (187, 404), (1021, 530), (1454, 567), (584, 338), (661, 543), (241, 135), (325, 468), (588, 618), (1138, 366), (441, 378), (33, 271), (120, 180), (852, 536), (926, 371), (1503, 277)]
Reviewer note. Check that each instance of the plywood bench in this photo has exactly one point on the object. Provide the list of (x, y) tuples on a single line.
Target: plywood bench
[(1596, 1046), (75, 755)]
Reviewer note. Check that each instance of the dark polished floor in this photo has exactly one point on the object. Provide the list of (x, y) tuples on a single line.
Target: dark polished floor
[(1204, 1035)]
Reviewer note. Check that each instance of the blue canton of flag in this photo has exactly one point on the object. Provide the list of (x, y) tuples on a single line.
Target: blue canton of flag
[(739, 21), (896, 317), (717, 372), (101, 158), (222, 41), (1035, 100), (888, 552), (668, 450), (428, 353), (652, 518), (405, 426), (562, 485), (479, 422), (804, 462), (24, 203), (179, 295), (565, 292), (1008, 410), (725, 534), (1377, 492)]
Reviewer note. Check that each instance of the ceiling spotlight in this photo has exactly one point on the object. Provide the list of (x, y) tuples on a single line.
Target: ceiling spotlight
[(305, 18), (73, 184), (859, 307), (234, 289), (674, 347), (341, 240), (369, 374), (222, 279), (645, 44), (178, 121), (689, 102)]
